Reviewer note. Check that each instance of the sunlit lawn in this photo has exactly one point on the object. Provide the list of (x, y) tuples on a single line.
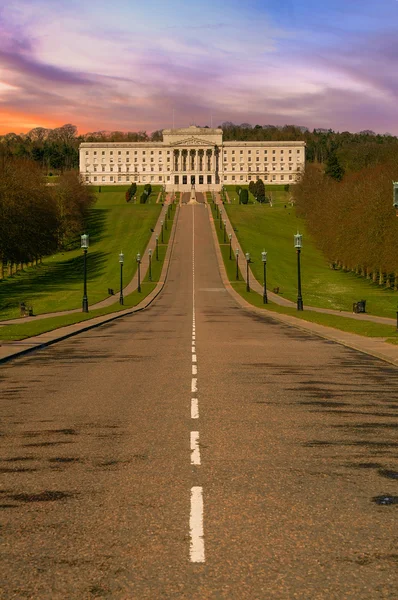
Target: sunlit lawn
[(114, 225), (260, 227)]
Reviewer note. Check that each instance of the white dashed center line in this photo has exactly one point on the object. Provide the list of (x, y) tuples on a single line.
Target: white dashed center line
[(197, 545)]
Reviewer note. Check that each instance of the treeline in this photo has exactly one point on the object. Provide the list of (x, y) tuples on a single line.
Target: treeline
[(354, 151), (37, 219), (57, 150), (353, 221)]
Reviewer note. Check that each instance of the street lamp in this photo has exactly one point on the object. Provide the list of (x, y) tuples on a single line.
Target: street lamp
[(121, 261), (230, 246), (395, 195), (150, 264), (237, 263), (85, 244), (247, 255), (225, 230), (298, 243), (161, 230), (139, 272), (157, 247), (264, 259)]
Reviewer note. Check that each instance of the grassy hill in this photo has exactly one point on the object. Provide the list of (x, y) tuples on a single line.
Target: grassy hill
[(260, 227), (57, 284)]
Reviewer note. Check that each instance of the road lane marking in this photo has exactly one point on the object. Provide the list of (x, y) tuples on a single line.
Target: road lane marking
[(193, 349), (194, 370), (193, 357), (194, 408), (195, 452), (197, 548), (194, 385)]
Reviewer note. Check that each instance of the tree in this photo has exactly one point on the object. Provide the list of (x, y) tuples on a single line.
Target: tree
[(333, 167), (244, 196), (260, 191)]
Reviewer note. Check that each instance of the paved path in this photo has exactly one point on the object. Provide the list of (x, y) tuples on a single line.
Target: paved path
[(198, 450)]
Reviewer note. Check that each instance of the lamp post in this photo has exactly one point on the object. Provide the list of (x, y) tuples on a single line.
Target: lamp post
[(298, 243), (247, 255), (85, 244), (161, 230), (237, 263), (264, 259), (150, 264), (121, 261), (230, 246), (157, 247), (225, 231), (139, 272), (220, 213)]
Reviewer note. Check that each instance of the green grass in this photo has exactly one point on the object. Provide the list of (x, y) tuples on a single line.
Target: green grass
[(260, 227), (114, 225), (366, 328), (20, 331)]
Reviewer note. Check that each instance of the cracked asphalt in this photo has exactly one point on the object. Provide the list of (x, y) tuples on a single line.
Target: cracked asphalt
[(298, 455)]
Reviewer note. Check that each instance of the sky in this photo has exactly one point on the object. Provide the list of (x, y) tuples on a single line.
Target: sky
[(129, 65)]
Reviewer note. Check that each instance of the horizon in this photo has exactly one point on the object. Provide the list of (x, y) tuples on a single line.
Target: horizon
[(139, 68)]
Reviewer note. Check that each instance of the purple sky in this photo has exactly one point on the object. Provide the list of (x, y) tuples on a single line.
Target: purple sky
[(331, 64)]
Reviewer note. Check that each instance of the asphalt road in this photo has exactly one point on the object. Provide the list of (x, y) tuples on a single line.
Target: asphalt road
[(198, 450)]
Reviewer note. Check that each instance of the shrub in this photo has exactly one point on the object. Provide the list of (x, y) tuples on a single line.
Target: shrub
[(244, 196)]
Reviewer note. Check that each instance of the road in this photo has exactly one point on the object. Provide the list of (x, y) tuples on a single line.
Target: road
[(198, 450)]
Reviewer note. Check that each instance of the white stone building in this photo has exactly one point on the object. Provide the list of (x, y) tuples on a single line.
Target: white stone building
[(194, 156)]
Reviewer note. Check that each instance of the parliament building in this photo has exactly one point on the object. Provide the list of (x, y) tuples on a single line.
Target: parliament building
[(191, 157)]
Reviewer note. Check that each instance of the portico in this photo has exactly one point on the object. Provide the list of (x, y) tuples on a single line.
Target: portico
[(196, 152)]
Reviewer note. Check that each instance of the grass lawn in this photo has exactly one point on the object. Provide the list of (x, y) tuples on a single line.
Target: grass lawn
[(57, 284), (260, 227), (366, 328), (20, 331)]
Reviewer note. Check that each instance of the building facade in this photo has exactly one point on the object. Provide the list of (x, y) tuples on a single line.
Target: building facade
[(193, 156)]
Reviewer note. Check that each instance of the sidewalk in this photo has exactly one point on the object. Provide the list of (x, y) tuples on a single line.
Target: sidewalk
[(9, 350), (128, 289), (377, 347)]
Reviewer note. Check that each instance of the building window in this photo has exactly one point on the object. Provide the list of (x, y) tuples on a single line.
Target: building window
[(151, 151), (127, 152), (273, 177), (86, 152), (135, 151), (290, 151), (152, 178), (95, 178), (103, 167), (281, 151), (160, 178), (282, 177), (103, 152), (111, 168), (119, 178), (249, 178), (127, 177), (233, 177), (249, 151), (241, 178), (87, 178), (233, 151), (257, 151), (127, 160), (184, 180), (209, 179), (290, 177), (143, 152), (290, 168), (168, 151), (111, 152), (176, 179), (241, 151), (152, 159), (273, 151), (119, 152), (200, 179), (168, 160), (257, 168), (152, 168)]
